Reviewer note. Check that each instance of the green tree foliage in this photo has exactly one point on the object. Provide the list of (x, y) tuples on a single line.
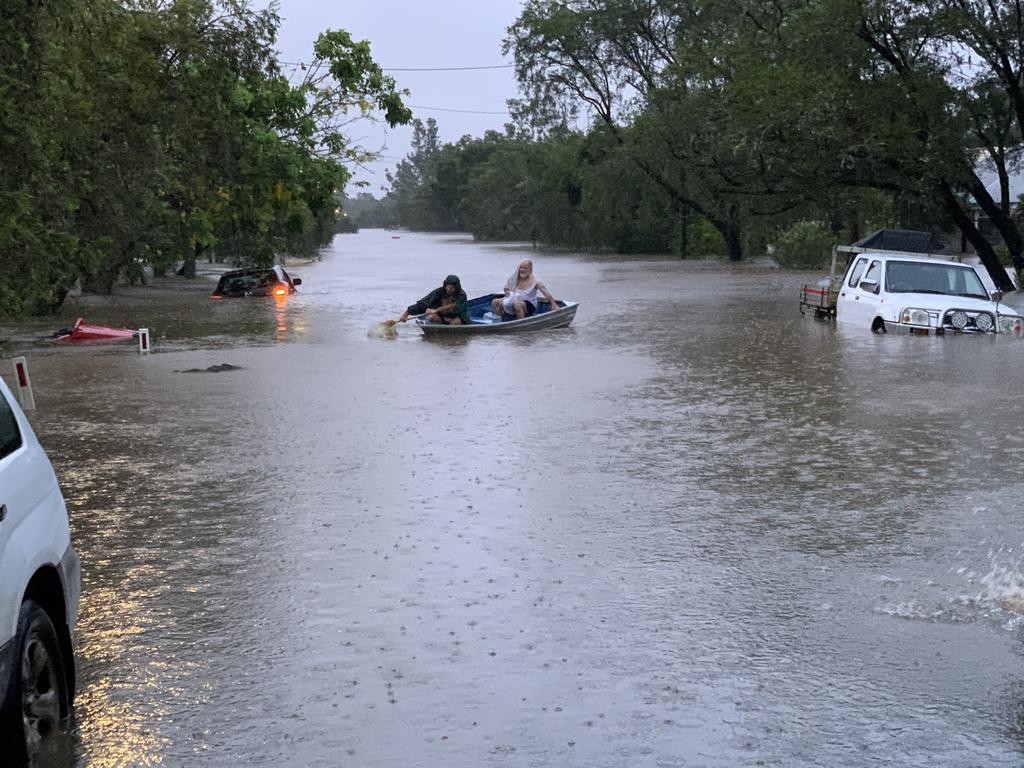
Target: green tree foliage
[(413, 184), (805, 245), (644, 121), (366, 211), (40, 253), (149, 133), (630, 62)]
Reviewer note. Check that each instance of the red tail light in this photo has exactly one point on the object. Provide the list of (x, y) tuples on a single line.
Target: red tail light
[(281, 291)]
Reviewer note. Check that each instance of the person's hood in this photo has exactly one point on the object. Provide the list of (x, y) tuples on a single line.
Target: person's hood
[(452, 280)]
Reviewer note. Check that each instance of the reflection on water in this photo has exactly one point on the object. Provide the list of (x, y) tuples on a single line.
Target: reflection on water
[(281, 324), (693, 529)]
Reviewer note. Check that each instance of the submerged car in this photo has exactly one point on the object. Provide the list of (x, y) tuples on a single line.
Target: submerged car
[(265, 281), (921, 294), (39, 593)]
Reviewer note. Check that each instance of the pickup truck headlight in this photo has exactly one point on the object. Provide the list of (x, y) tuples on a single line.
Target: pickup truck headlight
[(959, 319), (915, 317), (1011, 324)]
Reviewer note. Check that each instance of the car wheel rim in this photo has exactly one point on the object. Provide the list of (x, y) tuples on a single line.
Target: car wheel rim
[(40, 698)]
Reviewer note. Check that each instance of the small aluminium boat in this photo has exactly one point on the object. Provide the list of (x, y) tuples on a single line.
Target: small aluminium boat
[(84, 332), (481, 319)]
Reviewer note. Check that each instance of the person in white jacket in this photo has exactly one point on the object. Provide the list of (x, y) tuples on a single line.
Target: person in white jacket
[(521, 289)]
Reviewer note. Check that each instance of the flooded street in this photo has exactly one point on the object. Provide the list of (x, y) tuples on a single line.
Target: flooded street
[(693, 529)]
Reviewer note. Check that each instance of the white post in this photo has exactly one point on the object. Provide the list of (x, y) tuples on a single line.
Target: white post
[(144, 346), (23, 384)]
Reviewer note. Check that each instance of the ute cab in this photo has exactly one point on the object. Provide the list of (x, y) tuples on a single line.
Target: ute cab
[(39, 591), (912, 293), (267, 281)]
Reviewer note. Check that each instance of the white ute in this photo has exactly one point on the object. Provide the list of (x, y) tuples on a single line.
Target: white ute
[(920, 294), (39, 591)]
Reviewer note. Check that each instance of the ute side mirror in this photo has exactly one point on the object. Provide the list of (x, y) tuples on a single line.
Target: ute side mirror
[(997, 296), (871, 286), (297, 281)]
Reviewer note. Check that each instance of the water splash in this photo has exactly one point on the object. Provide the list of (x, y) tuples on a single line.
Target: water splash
[(1004, 589), (385, 330), (996, 596)]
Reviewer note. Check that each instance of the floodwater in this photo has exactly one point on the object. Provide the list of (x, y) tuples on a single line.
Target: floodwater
[(694, 529)]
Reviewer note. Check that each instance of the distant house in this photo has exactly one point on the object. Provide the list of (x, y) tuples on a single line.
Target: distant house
[(987, 173)]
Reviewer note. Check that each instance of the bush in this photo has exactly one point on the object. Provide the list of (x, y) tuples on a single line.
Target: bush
[(704, 241), (805, 245), (1003, 253)]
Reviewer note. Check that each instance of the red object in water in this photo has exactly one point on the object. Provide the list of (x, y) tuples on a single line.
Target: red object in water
[(83, 332)]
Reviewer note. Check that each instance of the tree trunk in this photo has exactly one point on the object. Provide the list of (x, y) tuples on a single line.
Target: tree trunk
[(982, 246), (188, 266), (684, 234), (733, 242), (1000, 219), (102, 282), (731, 232)]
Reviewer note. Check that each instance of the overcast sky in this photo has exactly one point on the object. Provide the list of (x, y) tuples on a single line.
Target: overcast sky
[(417, 35)]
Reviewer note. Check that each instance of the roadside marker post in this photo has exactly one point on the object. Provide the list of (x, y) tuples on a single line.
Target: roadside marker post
[(23, 384), (144, 346)]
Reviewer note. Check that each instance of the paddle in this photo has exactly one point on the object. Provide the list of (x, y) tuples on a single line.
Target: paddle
[(442, 308), (393, 323), (387, 328)]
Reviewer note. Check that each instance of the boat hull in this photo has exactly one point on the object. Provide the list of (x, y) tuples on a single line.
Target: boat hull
[(478, 325)]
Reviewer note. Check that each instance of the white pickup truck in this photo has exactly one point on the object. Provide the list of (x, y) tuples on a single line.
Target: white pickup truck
[(892, 281), (889, 291), (39, 591)]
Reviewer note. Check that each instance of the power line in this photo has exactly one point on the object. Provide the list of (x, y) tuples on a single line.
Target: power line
[(462, 111), (414, 69), (444, 69)]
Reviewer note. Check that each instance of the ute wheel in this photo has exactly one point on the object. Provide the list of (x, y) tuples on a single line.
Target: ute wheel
[(38, 699), (878, 326)]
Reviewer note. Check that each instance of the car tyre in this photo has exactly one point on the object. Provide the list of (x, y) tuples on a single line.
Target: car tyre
[(38, 696), (878, 326)]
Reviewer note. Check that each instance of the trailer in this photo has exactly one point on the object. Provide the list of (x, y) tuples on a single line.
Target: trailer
[(820, 300)]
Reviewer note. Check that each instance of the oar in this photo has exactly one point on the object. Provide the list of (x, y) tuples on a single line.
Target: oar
[(442, 308), (386, 329), (393, 323)]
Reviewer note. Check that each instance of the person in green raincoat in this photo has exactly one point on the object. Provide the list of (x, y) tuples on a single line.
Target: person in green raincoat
[(446, 304)]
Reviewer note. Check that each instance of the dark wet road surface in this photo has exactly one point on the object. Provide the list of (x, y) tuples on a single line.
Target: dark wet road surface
[(695, 529)]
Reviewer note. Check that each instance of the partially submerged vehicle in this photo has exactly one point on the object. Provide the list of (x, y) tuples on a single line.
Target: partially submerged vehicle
[(259, 281), (482, 320), (83, 332), (908, 290)]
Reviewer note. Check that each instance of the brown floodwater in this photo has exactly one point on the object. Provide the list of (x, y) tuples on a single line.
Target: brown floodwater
[(693, 529)]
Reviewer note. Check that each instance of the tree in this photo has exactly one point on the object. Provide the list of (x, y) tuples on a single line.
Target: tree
[(40, 255), (150, 132), (742, 111), (409, 181), (645, 63)]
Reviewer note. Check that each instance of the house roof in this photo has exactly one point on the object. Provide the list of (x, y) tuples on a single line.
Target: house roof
[(987, 173)]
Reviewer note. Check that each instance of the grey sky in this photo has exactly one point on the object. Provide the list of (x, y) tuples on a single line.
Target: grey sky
[(406, 34)]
